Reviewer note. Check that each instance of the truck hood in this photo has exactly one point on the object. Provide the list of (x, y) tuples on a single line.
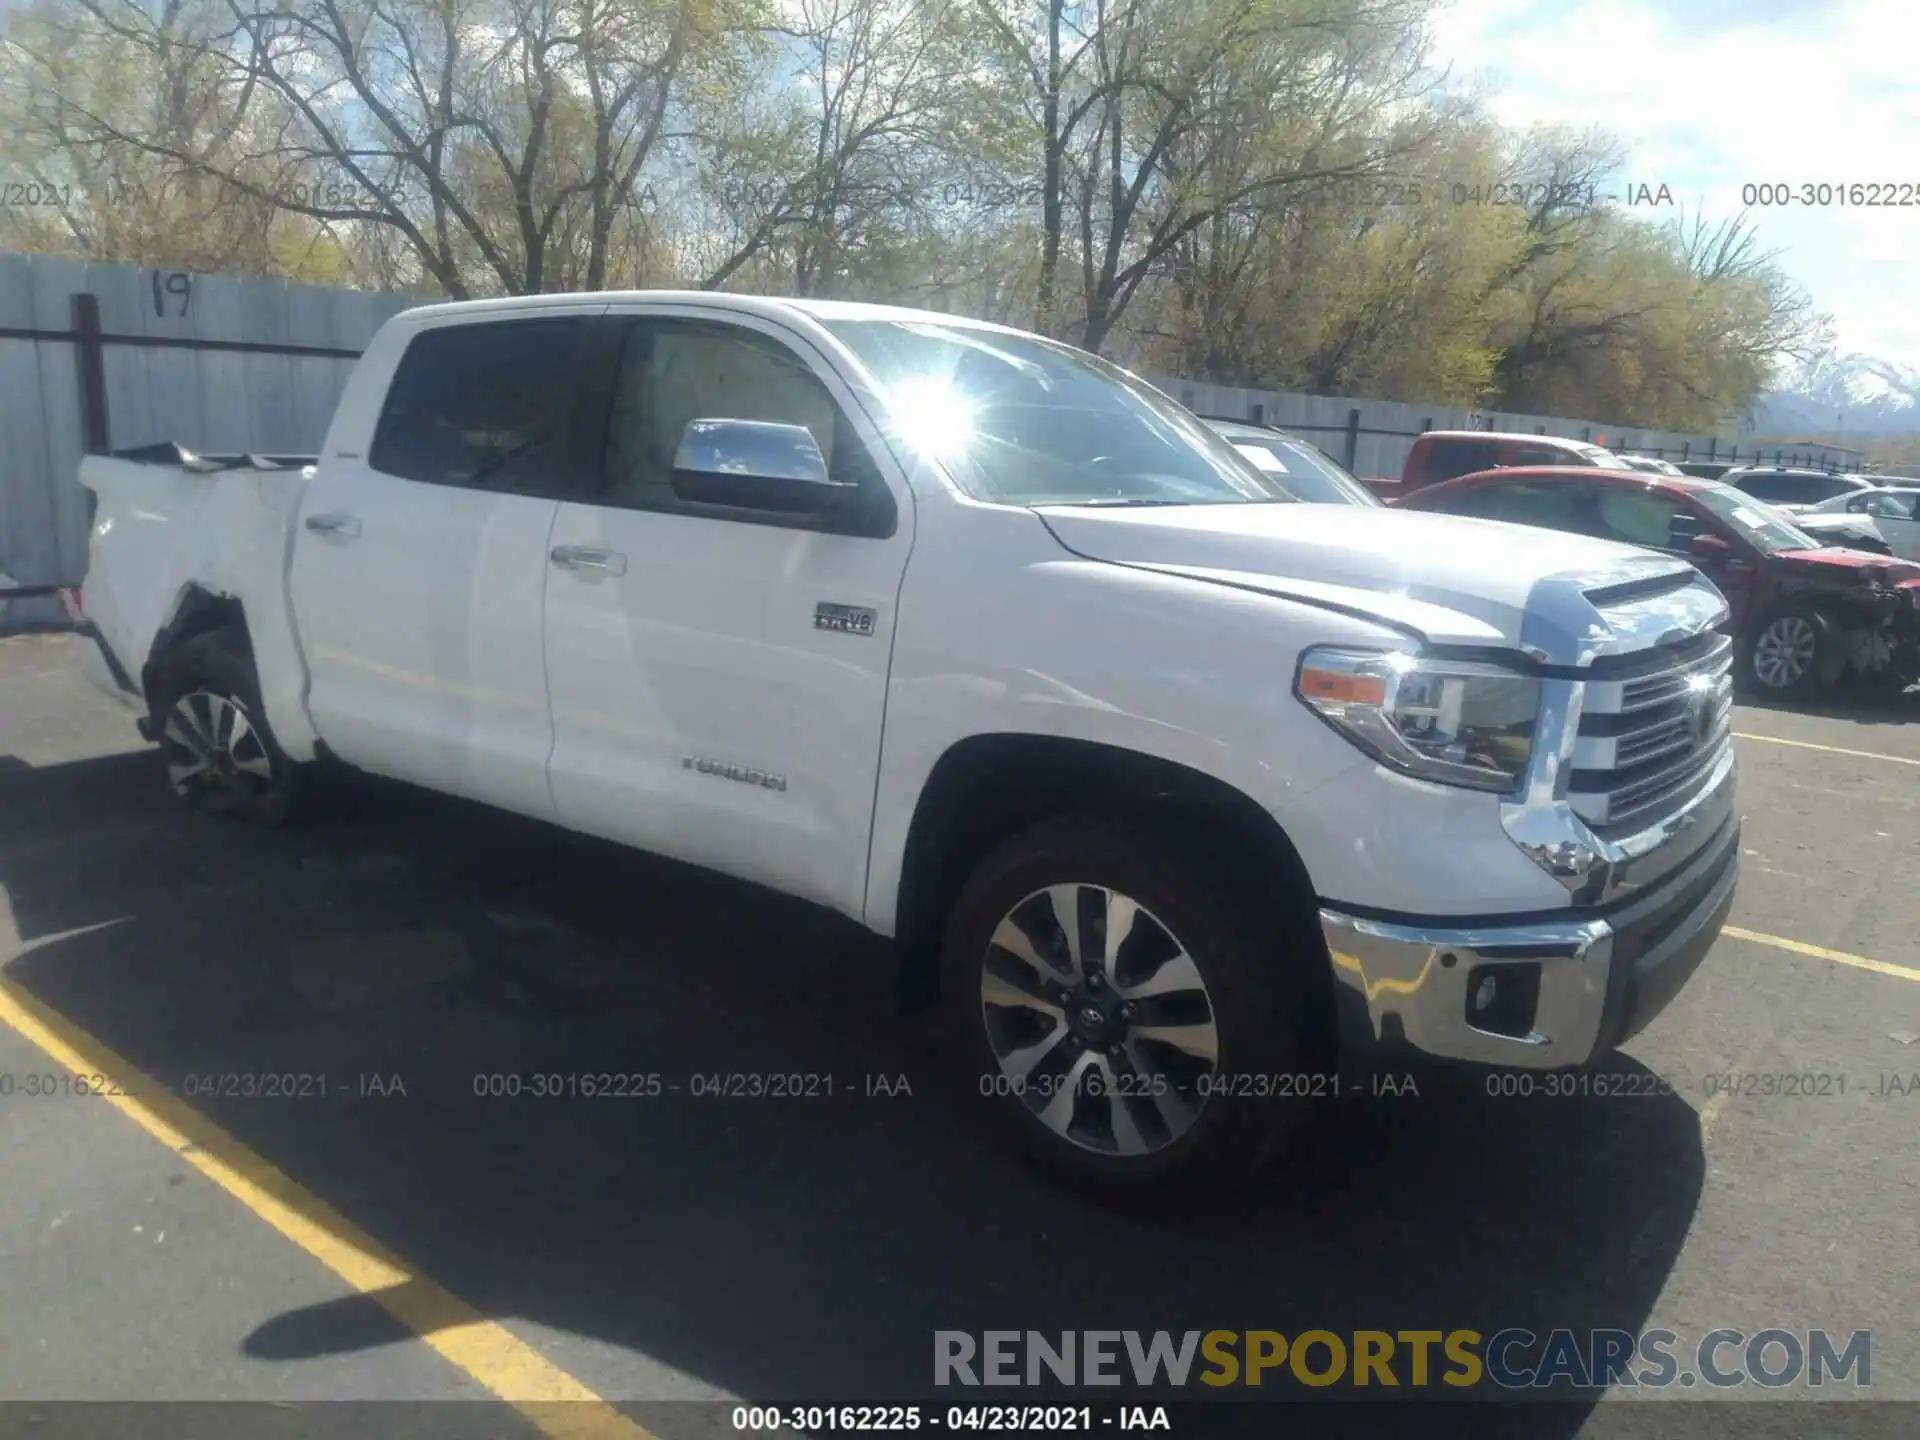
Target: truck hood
[(1448, 579)]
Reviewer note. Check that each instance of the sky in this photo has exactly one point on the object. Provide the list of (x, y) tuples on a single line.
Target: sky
[(1711, 95)]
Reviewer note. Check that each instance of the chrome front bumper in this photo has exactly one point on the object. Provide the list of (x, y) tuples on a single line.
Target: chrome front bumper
[(1569, 987), (1564, 986)]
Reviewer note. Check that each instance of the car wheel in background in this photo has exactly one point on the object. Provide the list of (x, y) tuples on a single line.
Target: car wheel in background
[(1793, 653)]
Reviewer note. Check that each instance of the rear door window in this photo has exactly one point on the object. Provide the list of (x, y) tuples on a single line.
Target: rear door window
[(485, 407)]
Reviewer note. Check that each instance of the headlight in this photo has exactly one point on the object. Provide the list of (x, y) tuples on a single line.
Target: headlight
[(1459, 722)]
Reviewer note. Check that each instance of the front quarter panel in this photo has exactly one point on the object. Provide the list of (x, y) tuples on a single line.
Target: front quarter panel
[(1002, 631)]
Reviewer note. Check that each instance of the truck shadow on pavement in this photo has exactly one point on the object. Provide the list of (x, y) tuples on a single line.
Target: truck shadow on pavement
[(777, 1249)]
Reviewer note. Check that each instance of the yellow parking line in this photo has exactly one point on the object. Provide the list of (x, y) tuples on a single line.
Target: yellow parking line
[(556, 1403), (1830, 749), (1839, 957)]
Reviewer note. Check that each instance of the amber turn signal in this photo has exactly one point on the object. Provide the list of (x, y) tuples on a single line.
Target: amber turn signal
[(1342, 687)]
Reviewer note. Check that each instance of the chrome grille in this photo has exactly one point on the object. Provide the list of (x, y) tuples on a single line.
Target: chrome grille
[(1652, 726)]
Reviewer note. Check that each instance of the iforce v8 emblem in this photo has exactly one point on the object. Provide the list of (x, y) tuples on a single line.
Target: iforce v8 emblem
[(847, 619)]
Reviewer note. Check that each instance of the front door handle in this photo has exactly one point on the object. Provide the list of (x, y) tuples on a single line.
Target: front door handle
[(338, 523), (585, 557)]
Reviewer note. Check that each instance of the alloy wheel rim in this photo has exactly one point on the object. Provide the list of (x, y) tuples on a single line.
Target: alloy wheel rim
[(1784, 651), (1100, 1021), (211, 747)]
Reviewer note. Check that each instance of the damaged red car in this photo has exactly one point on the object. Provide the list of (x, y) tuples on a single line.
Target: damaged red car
[(1804, 614)]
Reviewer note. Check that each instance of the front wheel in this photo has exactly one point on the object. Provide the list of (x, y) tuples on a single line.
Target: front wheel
[(1794, 654), (1129, 1028)]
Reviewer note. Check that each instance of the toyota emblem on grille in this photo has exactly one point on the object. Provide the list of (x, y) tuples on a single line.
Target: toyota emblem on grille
[(1700, 715)]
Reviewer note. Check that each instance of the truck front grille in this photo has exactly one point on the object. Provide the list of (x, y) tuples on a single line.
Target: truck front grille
[(1652, 726)]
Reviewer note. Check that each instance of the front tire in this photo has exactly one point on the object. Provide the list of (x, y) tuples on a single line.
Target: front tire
[(1125, 1024), (220, 754), (1794, 654)]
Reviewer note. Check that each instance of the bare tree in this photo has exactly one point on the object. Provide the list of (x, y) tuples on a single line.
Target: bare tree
[(480, 133), (834, 170), (1140, 113)]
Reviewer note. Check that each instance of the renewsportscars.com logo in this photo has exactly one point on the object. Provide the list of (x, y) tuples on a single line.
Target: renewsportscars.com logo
[(1510, 1359)]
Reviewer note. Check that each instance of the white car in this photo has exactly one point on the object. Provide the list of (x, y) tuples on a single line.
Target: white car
[(1849, 531), (1178, 790), (1891, 510), (1297, 465)]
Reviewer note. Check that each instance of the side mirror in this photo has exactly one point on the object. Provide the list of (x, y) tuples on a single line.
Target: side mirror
[(755, 465), (1710, 547)]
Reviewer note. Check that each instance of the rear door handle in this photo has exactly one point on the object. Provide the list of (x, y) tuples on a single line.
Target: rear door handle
[(335, 524), (584, 557)]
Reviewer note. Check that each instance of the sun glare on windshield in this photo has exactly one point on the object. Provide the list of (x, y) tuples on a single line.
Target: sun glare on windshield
[(931, 414)]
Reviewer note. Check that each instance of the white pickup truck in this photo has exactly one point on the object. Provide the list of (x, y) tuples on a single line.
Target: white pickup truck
[(1182, 792)]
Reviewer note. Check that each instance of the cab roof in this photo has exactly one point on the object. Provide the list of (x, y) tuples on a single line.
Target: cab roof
[(821, 310)]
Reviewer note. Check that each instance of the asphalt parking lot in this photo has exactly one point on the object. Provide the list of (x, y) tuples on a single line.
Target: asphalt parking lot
[(388, 1234)]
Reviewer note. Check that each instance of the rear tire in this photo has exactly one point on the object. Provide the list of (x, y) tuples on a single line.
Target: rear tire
[(1794, 653), (220, 754), (1161, 1071)]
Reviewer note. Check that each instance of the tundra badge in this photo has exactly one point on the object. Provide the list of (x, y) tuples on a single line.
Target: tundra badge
[(745, 774), (847, 619)]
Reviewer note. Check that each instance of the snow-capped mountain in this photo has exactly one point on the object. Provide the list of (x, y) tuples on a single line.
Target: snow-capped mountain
[(1856, 394)]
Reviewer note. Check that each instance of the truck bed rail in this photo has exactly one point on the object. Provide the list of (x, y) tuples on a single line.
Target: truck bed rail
[(171, 452)]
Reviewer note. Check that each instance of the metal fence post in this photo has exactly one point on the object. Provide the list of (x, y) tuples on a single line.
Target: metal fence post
[(90, 365), (1353, 437)]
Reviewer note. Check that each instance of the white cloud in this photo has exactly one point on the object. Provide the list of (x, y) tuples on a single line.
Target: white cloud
[(1801, 96)]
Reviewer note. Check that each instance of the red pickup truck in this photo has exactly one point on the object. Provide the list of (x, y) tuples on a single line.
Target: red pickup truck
[(1448, 454)]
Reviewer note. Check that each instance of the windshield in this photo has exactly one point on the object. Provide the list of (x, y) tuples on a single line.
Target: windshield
[(1025, 421), (1304, 470), (1762, 525)]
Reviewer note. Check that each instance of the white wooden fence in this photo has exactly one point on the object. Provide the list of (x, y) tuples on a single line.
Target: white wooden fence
[(218, 364)]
